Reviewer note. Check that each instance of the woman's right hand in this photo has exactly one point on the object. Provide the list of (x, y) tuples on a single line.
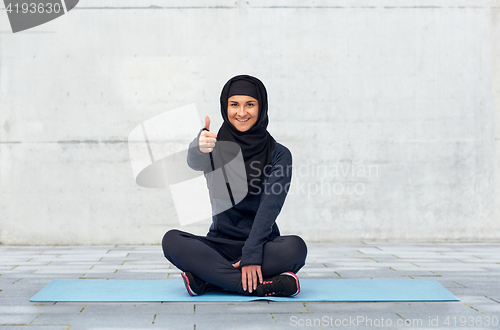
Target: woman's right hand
[(206, 142)]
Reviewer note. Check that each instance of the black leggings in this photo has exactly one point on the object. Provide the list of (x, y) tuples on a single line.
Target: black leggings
[(211, 258)]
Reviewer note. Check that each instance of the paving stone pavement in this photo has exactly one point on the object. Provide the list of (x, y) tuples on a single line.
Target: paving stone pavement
[(471, 271)]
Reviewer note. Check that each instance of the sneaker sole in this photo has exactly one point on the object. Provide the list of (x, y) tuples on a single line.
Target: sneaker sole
[(296, 281), (188, 288)]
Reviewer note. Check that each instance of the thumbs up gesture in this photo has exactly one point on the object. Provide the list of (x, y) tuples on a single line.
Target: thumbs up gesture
[(207, 139)]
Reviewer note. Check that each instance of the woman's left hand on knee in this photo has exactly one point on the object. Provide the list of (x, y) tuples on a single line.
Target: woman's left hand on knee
[(251, 275)]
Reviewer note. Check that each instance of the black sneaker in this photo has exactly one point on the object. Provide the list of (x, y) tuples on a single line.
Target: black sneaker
[(282, 285), (195, 285)]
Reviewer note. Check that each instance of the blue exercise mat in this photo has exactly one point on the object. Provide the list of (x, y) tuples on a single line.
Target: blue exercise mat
[(310, 290)]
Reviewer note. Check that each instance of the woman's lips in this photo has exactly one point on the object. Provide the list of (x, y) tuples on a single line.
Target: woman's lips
[(242, 121)]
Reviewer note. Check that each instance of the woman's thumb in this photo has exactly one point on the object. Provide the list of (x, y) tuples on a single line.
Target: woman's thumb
[(207, 123)]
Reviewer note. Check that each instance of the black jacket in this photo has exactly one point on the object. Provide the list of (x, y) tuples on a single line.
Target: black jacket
[(254, 218)]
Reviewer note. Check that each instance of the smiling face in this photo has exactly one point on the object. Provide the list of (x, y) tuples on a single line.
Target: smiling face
[(242, 111)]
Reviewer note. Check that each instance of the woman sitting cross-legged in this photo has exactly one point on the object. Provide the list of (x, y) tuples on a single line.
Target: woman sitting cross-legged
[(243, 250)]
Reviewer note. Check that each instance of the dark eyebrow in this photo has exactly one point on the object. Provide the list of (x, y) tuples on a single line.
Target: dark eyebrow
[(237, 101)]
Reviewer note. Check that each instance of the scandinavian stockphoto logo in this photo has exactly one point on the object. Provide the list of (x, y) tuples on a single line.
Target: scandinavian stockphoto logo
[(25, 14), (208, 185), (158, 150)]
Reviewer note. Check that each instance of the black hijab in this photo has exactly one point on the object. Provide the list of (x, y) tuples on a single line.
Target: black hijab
[(256, 143)]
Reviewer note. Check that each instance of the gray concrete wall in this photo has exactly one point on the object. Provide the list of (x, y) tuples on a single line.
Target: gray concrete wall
[(397, 100)]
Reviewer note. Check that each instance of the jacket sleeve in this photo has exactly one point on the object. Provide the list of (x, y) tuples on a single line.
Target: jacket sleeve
[(273, 194), (196, 159)]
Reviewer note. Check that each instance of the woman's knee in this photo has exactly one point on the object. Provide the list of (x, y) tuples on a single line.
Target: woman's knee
[(297, 246), (298, 252), (170, 242), (291, 248), (285, 253)]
